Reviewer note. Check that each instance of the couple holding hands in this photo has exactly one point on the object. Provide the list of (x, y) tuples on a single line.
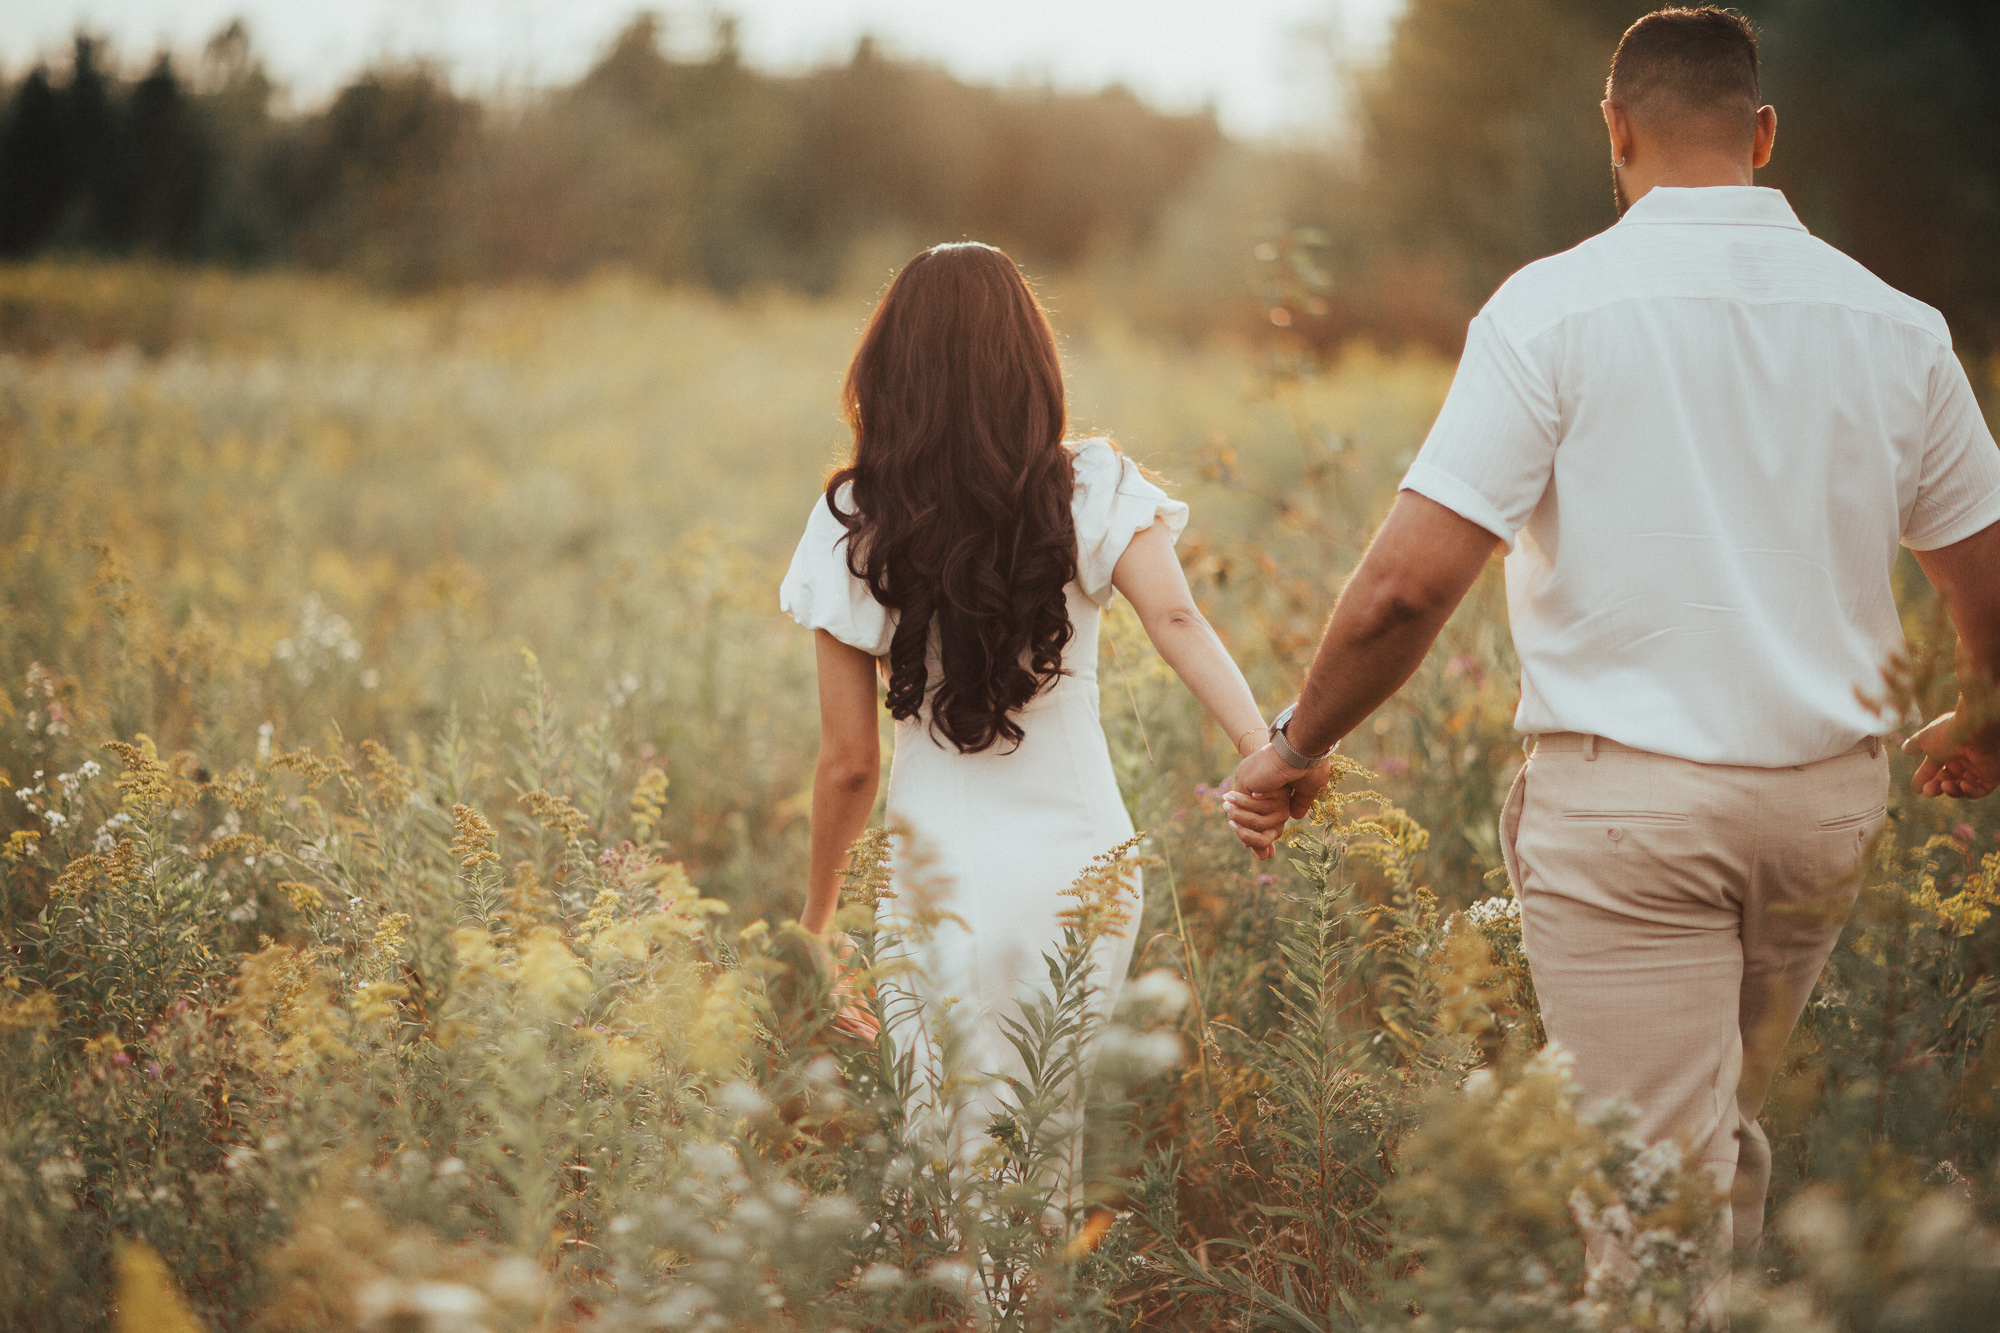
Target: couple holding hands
[(1700, 438)]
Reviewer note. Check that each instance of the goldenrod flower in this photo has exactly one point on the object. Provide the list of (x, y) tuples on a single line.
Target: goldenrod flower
[(649, 800), (471, 845), (548, 972), (146, 783)]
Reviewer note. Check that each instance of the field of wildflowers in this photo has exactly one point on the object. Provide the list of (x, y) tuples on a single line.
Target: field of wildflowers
[(405, 770)]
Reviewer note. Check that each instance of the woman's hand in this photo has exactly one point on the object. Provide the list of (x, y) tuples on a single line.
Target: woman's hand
[(835, 953), (1951, 767), (1258, 820)]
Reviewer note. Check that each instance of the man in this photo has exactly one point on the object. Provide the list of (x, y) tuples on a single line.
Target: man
[(1700, 435)]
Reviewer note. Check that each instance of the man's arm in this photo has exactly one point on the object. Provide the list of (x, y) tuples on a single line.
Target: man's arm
[(1962, 756), (1412, 578)]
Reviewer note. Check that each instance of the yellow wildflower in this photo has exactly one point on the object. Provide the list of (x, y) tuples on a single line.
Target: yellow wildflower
[(622, 1059), (37, 1012), (473, 951), (1102, 892), (22, 844), (727, 1022), (557, 813), (865, 882), (548, 972), (603, 911), (378, 1002), (1969, 908), (146, 783), (388, 941), (317, 771), (148, 1300), (649, 800), (389, 783), (303, 896), (113, 870), (474, 834)]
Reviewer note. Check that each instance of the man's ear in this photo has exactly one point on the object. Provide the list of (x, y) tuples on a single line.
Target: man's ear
[(1767, 136), (1619, 126)]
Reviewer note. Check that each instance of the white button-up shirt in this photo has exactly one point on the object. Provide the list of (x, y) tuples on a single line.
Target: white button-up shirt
[(1703, 433)]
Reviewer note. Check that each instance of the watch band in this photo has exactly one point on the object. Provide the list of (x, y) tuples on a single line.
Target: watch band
[(1292, 756)]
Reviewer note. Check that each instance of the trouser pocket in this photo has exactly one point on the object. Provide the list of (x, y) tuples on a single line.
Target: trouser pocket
[(1510, 827)]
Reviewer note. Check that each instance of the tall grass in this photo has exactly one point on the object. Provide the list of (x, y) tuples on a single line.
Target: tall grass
[(408, 770)]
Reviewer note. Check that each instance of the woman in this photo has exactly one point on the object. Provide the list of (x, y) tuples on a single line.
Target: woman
[(964, 555)]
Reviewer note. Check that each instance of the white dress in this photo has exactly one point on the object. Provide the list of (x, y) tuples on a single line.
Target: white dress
[(1004, 831)]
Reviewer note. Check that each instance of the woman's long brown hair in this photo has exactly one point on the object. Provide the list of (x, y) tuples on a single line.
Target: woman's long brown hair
[(961, 502)]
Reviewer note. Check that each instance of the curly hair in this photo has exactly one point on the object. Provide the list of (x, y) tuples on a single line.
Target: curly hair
[(961, 520)]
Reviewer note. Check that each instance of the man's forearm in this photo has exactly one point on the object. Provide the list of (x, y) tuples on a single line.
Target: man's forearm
[(1414, 575), (1967, 575), (1368, 653)]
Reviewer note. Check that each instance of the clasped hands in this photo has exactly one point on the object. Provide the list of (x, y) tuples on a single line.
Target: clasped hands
[(1954, 764), (1266, 792)]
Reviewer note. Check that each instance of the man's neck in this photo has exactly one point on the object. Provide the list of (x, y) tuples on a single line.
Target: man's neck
[(1692, 173)]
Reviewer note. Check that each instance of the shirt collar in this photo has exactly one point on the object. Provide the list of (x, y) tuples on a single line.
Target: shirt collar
[(1725, 205)]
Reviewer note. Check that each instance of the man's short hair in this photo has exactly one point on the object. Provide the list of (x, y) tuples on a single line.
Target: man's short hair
[(1689, 65)]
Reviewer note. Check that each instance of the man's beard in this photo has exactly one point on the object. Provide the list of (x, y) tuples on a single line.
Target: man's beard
[(1618, 191)]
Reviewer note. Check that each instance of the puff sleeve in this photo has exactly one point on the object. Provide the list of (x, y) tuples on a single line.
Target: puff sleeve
[(820, 592), (1113, 504)]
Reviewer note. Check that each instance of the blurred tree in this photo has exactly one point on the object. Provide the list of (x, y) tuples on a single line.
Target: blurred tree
[(38, 173), (239, 218), (1486, 150), (153, 184), (1889, 141), (372, 183)]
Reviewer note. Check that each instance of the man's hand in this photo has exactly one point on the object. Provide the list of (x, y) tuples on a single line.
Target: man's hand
[(1264, 793), (1951, 766)]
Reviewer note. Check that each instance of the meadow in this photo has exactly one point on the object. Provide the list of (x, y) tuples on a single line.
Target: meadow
[(407, 776)]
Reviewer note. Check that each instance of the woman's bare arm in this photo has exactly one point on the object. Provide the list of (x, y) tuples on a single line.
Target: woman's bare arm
[(849, 769), (1150, 576)]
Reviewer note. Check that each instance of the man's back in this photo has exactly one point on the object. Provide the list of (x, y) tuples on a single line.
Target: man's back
[(1710, 431)]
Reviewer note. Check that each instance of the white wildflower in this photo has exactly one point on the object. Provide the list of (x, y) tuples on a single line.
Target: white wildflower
[(742, 1101), (880, 1277), (950, 1275), (1158, 992), (516, 1280), (682, 1308), (1487, 911), (1651, 1168)]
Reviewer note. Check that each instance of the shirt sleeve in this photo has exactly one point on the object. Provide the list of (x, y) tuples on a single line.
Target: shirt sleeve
[(1958, 490), (1490, 452), (1113, 503), (820, 592)]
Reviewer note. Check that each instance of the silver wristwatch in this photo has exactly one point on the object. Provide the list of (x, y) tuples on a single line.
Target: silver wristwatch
[(1291, 756)]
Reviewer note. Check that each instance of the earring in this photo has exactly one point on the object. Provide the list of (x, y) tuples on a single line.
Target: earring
[(1617, 161)]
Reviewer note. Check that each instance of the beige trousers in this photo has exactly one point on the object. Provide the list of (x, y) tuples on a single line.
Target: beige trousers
[(1676, 916)]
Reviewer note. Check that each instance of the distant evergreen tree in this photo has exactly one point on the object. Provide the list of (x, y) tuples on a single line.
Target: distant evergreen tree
[(37, 172)]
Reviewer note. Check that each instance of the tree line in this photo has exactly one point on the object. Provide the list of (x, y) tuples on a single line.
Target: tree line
[(691, 170), (1477, 148)]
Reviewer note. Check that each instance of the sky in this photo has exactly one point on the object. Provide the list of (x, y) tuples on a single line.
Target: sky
[(1263, 64)]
